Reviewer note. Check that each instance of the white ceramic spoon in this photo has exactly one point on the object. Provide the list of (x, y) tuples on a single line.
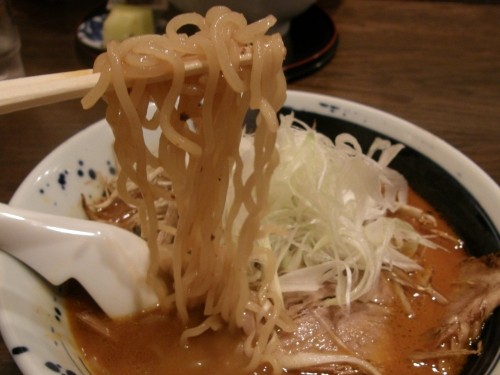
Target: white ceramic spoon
[(109, 262)]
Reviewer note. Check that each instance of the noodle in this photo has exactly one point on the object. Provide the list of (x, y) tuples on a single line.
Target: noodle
[(200, 119)]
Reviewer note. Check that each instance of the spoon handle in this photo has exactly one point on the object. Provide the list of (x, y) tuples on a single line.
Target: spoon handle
[(109, 262), (41, 242)]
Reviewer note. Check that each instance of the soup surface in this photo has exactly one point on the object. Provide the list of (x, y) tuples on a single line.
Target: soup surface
[(149, 343)]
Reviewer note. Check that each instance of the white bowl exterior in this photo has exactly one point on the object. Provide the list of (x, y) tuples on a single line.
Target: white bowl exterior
[(30, 314)]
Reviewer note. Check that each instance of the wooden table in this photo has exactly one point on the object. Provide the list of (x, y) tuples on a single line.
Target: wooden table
[(436, 64)]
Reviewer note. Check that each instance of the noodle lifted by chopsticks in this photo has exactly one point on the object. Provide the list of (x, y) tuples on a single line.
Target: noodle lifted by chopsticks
[(201, 119)]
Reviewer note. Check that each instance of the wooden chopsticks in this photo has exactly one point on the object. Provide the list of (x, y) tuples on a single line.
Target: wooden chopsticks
[(29, 92)]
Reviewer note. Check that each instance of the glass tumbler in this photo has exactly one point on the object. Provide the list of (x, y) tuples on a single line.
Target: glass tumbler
[(11, 65)]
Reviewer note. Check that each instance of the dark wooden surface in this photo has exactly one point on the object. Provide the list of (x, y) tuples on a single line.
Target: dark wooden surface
[(436, 64)]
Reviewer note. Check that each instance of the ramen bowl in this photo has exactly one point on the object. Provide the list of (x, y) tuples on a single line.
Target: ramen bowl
[(283, 10), (33, 316)]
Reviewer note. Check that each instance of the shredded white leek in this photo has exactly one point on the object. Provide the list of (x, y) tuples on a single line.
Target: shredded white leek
[(330, 202)]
